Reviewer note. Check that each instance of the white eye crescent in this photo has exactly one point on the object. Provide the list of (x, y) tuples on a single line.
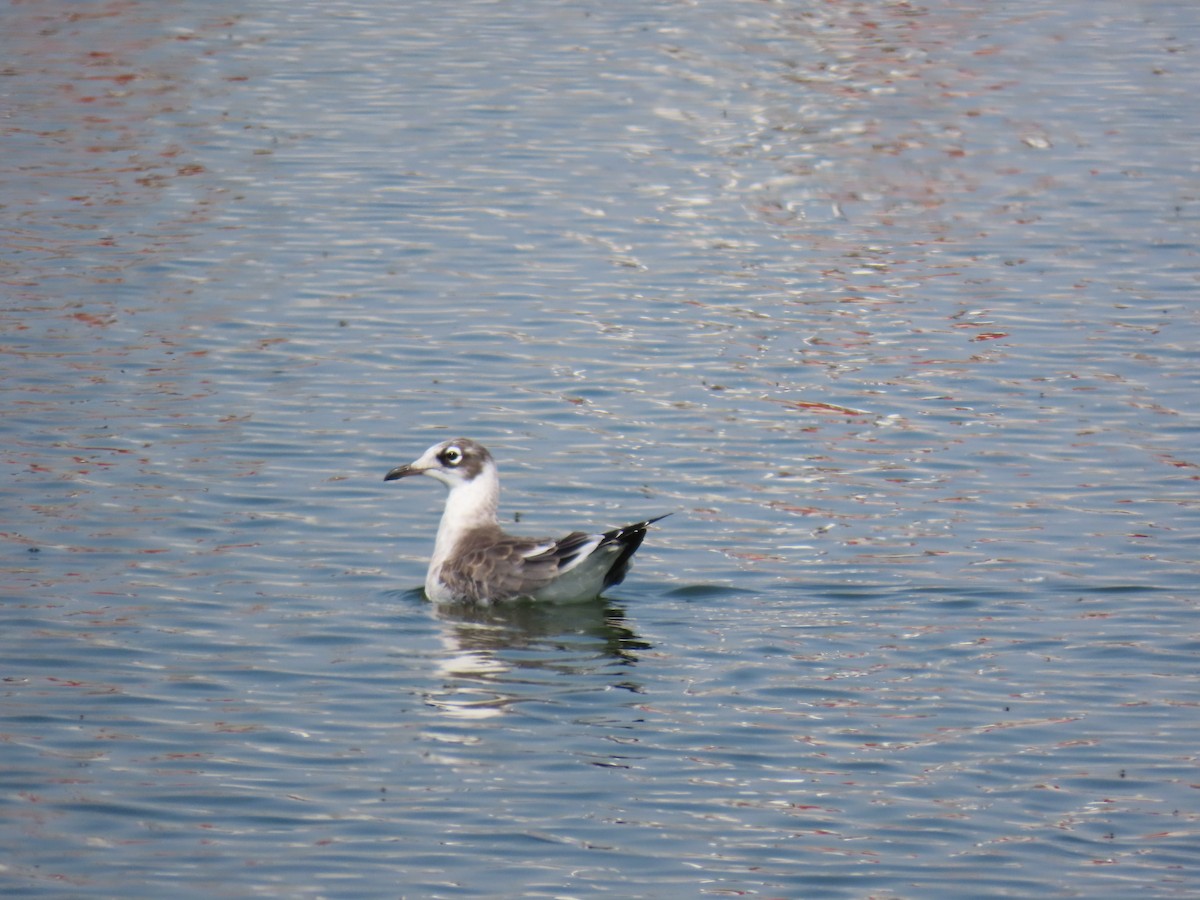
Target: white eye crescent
[(451, 456)]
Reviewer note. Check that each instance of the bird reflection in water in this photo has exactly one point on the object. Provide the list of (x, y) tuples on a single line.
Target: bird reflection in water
[(498, 656)]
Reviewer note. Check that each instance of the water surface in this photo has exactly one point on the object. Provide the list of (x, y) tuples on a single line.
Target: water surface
[(894, 307)]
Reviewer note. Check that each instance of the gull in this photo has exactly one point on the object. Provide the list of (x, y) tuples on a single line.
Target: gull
[(475, 561)]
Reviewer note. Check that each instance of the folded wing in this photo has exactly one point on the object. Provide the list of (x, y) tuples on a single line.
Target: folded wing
[(492, 566)]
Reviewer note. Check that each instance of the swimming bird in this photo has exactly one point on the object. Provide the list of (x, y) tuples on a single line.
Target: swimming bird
[(474, 560)]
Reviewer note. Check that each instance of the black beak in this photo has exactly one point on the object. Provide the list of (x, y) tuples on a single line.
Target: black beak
[(401, 472)]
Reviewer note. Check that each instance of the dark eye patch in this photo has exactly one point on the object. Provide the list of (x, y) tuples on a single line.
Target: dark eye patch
[(451, 456)]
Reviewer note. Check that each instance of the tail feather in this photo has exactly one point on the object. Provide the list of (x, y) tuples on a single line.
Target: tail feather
[(628, 539)]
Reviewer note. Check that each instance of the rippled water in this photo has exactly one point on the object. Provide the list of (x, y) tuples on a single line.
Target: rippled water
[(893, 305)]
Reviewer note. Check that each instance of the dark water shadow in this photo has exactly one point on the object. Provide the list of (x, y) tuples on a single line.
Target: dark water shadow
[(599, 623), (595, 628)]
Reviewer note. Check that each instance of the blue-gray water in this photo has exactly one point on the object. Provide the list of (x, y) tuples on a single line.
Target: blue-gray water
[(895, 306)]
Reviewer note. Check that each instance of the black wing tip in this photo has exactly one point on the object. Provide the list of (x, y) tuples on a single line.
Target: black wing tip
[(638, 526), (632, 533), (630, 539)]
